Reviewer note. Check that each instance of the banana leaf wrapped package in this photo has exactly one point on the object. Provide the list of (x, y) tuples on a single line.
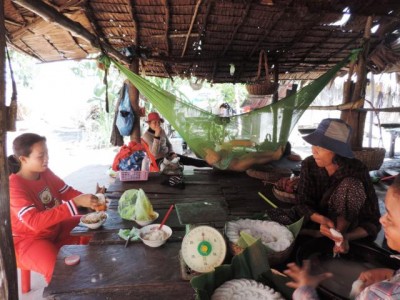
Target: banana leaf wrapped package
[(252, 264)]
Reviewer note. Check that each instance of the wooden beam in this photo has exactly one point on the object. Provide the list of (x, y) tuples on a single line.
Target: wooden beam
[(92, 19), (14, 23), (238, 25), (191, 26), (8, 267), (136, 35), (53, 16), (215, 67), (166, 27), (269, 29)]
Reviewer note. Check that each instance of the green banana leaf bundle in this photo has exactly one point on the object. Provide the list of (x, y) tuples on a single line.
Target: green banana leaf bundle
[(252, 263)]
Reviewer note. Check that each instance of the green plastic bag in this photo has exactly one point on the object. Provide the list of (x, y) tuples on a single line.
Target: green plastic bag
[(127, 203), (144, 209), (134, 205)]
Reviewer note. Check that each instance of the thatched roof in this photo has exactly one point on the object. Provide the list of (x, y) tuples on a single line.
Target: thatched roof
[(203, 37)]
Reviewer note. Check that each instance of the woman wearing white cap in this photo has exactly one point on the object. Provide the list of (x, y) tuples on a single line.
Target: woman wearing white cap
[(335, 190)]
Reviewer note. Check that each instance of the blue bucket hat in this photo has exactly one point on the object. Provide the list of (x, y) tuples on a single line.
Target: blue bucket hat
[(334, 135)]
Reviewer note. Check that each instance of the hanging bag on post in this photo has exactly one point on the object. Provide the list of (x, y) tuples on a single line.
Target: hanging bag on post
[(126, 117), (260, 86)]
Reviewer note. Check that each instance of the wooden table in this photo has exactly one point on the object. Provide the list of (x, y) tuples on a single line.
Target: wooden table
[(108, 270), (116, 272)]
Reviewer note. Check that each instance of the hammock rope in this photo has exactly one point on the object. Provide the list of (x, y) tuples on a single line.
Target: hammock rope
[(260, 130)]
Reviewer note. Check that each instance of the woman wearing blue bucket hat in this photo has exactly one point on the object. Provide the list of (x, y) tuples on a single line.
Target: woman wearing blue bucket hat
[(335, 190)]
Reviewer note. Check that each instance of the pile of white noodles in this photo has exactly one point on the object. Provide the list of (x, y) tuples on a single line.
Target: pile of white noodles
[(272, 234), (245, 289)]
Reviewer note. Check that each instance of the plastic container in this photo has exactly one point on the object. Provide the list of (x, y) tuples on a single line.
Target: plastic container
[(133, 175)]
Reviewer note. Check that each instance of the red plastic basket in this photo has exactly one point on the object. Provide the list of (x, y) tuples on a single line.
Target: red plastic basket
[(133, 175)]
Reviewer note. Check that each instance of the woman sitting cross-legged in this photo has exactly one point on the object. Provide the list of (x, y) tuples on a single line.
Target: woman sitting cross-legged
[(381, 283), (44, 209)]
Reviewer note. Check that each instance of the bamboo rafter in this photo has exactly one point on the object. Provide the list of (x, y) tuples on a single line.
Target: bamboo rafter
[(166, 21), (235, 30), (196, 10), (50, 14)]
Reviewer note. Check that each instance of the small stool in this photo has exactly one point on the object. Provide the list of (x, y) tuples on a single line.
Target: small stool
[(25, 280), (25, 277)]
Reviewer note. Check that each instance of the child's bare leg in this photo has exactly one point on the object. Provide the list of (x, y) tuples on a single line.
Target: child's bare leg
[(246, 161), (212, 157)]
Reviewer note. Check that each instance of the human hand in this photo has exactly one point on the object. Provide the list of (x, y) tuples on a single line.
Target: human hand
[(322, 220), (87, 200), (344, 247), (331, 233), (302, 277), (375, 275), (157, 130)]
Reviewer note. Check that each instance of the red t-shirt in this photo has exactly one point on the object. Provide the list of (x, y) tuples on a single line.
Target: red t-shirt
[(38, 206)]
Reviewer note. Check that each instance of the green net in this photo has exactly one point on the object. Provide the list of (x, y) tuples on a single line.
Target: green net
[(257, 132)]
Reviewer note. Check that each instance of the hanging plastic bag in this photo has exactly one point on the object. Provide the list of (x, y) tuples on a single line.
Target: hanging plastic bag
[(125, 117)]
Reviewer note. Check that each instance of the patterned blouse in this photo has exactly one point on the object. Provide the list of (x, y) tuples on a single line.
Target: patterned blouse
[(316, 187)]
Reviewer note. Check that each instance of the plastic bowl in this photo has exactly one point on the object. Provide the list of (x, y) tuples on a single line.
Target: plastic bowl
[(144, 223), (94, 220), (154, 227)]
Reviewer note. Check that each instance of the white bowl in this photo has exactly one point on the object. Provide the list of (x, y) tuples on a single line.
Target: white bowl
[(144, 223), (94, 220), (145, 231)]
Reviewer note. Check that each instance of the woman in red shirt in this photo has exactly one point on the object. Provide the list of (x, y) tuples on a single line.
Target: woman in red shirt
[(43, 207)]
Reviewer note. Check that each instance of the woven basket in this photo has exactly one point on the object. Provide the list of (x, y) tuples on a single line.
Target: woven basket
[(284, 196), (371, 157), (260, 86)]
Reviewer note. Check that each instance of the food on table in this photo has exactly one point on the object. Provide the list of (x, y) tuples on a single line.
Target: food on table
[(288, 184), (72, 260), (245, 289), (337, 235), (94, 217), (275, 236), (134, 205), (102, 202), (143, 208), (155, 235)]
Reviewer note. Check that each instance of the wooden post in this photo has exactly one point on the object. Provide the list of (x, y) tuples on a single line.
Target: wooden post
[(357, 119), (134, 98), (8, 268), (276, 79)]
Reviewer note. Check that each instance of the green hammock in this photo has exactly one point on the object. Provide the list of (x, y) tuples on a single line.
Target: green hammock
[(263, 129)]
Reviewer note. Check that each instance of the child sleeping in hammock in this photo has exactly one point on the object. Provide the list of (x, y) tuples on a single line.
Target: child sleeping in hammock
[(226, 159)]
